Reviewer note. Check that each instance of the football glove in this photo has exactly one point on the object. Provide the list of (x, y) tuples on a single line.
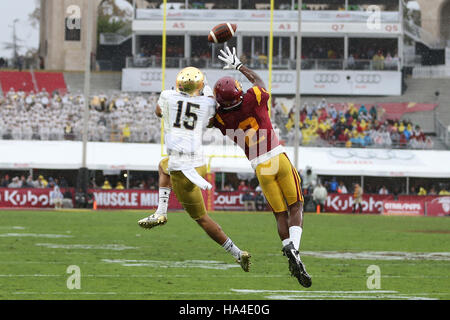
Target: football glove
[(207, 91), (230, 58)]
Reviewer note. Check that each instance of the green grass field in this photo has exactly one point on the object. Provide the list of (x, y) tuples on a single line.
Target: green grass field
[(119, 260)]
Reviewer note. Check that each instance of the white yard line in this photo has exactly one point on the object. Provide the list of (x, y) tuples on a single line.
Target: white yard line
[(114, 247), (34, 235), (376, 255), (290, 294), (12, 227)]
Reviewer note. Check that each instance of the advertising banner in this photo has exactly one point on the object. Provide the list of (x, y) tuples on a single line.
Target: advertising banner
[(403, 208), (345, 82), (438, 207), (230, 201), (27, 198), (264, 15), (145, 199), (343, 203)]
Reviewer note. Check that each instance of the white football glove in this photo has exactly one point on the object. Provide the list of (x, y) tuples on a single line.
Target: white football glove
[(207, 91), (230, 58)]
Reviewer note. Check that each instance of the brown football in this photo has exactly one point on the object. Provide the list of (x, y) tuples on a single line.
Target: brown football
[(222, 32)]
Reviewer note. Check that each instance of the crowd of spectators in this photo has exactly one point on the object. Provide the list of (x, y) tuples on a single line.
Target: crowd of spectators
[(323, 124), (421, 189), (29, 182), (118, 117)]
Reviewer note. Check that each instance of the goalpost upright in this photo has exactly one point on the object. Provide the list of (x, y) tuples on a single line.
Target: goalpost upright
[(270, 57), (163, 69)]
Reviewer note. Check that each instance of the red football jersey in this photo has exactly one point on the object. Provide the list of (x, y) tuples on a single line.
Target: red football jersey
[(249, 125)]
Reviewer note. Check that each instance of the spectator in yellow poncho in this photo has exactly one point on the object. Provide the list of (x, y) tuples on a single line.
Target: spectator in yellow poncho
[(422, 192), (119, 186), (126, 133), (106, 185)]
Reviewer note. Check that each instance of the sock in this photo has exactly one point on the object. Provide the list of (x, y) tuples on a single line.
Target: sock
[(295, 233), (164, 194), (285, 242), (230, 247)]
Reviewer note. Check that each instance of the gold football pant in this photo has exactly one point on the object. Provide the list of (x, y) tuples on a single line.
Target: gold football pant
[(280, 182), (189, 194), (164, 163)]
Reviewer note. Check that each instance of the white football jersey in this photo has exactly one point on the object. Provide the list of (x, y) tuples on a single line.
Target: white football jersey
[(185, 118)]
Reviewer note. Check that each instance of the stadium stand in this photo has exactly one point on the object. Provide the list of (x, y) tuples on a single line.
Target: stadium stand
[(50, 81), (130, 118), (42, 116), (323, 124), (28, 81), (16, 81)]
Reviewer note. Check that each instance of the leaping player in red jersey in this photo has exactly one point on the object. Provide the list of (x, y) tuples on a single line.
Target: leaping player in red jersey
[(244, 118)]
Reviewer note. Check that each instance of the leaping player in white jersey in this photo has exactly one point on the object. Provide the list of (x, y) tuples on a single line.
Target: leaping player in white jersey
[(186, 112)]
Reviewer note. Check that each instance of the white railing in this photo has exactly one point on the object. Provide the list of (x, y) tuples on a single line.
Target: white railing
[(431, 72), (421, 35), (278, 63), (442, 131)]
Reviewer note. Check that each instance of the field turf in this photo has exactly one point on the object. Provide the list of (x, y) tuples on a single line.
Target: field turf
[(119, 260)]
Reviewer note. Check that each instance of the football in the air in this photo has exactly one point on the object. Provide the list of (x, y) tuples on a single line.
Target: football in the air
[(222, 32)]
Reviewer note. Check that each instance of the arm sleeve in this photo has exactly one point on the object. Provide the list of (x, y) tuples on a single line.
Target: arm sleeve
[(219, 124), (163, 102)]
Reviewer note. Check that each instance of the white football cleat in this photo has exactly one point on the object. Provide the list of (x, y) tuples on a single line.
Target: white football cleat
[(156, 219)]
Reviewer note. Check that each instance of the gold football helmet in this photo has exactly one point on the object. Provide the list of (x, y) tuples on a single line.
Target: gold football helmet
[(190, 80)]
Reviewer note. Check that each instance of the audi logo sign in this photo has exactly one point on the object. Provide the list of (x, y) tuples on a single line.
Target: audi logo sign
[(283, 78), (277, 77), (151, 76), (368, 78), (327, 78)]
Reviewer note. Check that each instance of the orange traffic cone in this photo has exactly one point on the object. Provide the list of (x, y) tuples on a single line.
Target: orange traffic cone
[(94, 206), (318, 209)]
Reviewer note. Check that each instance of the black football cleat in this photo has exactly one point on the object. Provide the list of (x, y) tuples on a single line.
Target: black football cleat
[(296, 266)]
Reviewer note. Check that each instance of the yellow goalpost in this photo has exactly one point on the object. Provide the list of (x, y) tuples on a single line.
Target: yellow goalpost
[(163, 69)]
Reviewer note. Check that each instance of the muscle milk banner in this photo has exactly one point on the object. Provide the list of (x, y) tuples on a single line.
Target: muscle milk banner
[(144, 199)]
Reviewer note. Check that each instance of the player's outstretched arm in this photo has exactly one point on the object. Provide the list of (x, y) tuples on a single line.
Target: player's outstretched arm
[(233, 62), (252, 76)]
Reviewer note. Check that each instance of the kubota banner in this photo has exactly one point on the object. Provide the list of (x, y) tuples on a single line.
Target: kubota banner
[(343, 203), (27, 198)]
